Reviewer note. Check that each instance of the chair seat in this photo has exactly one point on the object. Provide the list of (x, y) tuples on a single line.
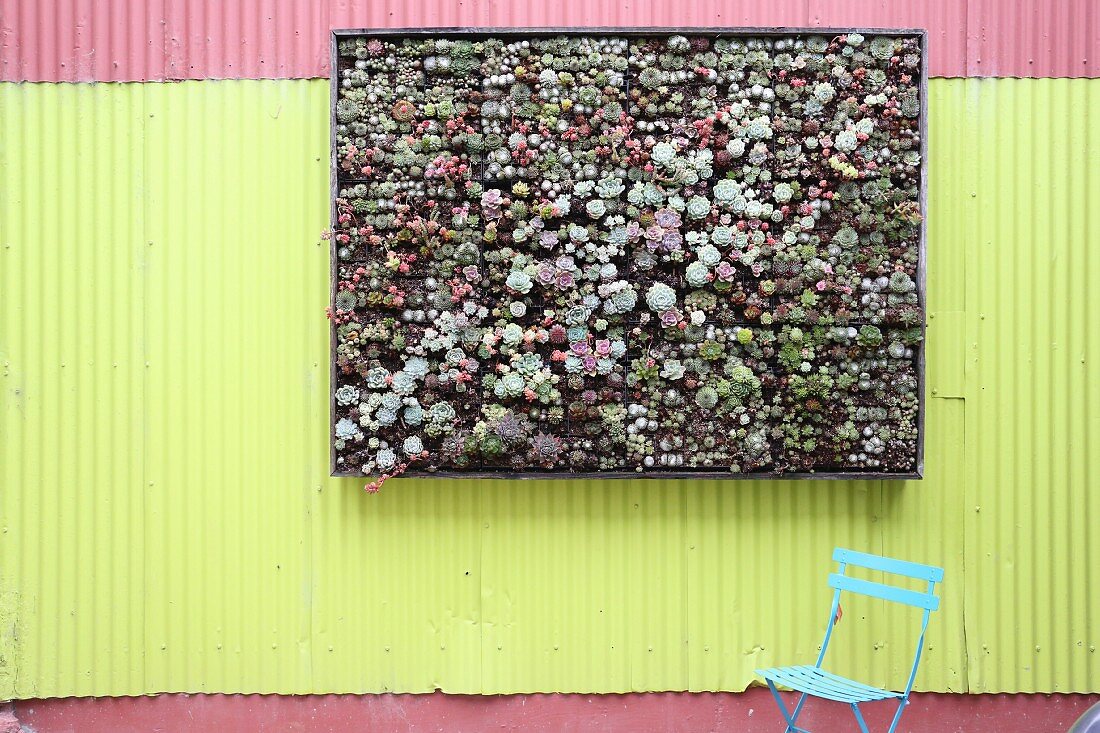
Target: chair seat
[(819, 683)]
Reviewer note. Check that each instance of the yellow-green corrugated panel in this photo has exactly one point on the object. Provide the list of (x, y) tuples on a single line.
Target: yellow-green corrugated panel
[(167, 522), (1033, 413), (72, 418), (234, 275)]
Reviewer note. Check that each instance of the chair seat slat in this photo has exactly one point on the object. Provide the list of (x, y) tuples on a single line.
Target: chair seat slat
[(813, 677), (789, 677), (844, 684), (819, 683), (857, 684), (825, 686), (801, 678)]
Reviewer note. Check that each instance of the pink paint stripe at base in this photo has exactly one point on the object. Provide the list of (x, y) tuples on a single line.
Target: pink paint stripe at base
[(120, 40), (672, 712)]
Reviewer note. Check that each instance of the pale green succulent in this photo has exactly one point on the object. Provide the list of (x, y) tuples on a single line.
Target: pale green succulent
[(696, 274), (660, 297)]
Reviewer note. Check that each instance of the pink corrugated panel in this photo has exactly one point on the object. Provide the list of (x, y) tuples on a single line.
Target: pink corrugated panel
[(122, 40), (250, 38), (81, 40), (528, 13), (1013, 38)]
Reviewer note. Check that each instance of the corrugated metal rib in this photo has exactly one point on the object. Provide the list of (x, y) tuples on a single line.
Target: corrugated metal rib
[(167, 522), (115, 40)]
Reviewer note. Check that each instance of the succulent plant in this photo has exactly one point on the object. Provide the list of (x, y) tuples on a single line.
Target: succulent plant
[(706, 398), (347, 394), (660, 297), (696, 274), (346, 429)]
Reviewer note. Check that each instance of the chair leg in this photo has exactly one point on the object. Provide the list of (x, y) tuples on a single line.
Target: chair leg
[(859, 719), (788, 717), (897, 715), (798, 707)]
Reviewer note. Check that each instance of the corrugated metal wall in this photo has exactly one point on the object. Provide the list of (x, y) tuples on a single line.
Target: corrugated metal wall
[(116, 40), (166, 522)]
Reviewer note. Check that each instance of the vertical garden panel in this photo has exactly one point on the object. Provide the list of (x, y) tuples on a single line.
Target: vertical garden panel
[(724, 302)]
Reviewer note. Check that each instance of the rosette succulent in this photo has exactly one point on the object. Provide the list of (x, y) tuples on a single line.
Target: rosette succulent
[(519, 281), (663, 153), (698, 207), (782, 192), (660, 297), (708, 255), (610, 187), (725, 191), (697, 274), (346, 429), (620, 297), (595, 208), (347, 394)]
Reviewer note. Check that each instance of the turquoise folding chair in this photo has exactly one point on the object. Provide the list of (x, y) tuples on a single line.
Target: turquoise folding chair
[(815, 681)]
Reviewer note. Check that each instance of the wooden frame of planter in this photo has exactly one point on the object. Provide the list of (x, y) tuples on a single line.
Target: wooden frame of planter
[(714, 33)]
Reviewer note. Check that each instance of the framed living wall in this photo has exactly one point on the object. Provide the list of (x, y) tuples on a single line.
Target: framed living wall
[(628, 252)]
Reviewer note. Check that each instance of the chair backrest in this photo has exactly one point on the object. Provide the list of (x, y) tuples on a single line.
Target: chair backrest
[(927, 600), (842, 582)]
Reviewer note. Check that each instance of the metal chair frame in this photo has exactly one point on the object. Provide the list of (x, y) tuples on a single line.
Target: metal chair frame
[(815, 681)]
